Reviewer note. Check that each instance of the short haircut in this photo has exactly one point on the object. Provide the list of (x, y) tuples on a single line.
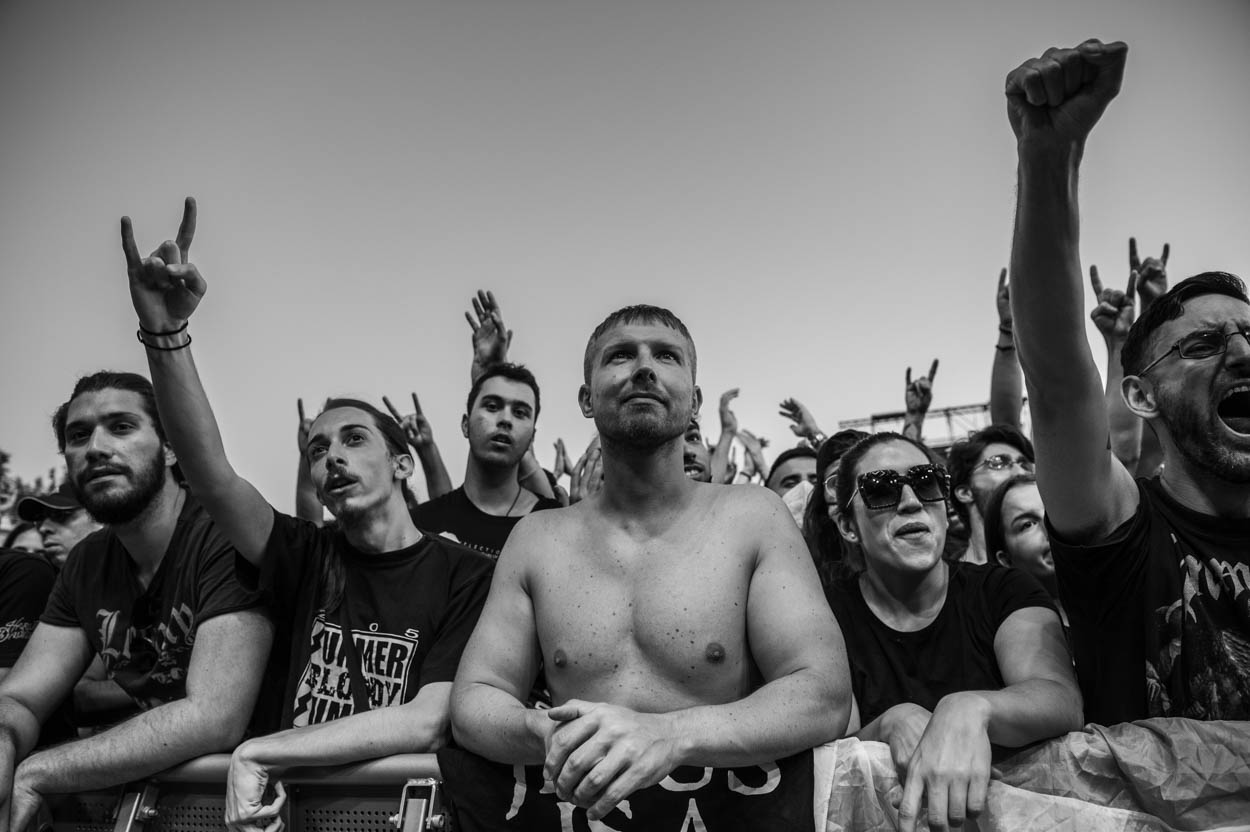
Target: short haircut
[(108, 380), (995, 534), (640, 314), (961, 457), (513, 372), (392, 433), (797, 452), (1170, 307)]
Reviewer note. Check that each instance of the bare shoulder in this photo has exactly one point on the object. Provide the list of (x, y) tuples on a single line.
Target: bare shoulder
[(538, 534), (752, 504)]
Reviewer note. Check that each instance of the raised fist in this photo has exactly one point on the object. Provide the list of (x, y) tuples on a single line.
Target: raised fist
[(1055, 100), (164, 287)]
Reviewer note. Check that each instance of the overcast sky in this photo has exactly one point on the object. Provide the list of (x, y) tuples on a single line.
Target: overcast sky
[(822, 191)]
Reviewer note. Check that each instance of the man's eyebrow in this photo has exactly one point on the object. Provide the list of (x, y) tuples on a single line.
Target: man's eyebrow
[(323, 436), (106, 417)]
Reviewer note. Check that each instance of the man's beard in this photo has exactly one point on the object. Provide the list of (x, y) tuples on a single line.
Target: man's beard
[(1200, 441), (644, 432), (114, 507)]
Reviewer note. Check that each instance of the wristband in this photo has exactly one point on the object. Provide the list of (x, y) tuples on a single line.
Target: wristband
[(182, 328), (999, 347), (1005, 330), (184, 345)]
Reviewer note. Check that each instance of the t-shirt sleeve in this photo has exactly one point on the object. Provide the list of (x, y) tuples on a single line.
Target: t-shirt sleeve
[(470, 582), (1008, 590), (61, 610), (287, 554), (1105, 571), (219, 589), (24, 586)]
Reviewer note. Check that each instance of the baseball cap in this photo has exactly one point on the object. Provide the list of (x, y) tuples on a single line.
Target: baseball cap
[(32, 509)]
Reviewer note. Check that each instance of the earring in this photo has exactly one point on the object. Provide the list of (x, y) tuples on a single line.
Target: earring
[(851, 536)]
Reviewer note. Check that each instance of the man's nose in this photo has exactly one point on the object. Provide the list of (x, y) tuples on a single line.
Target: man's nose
[(1238, 350)]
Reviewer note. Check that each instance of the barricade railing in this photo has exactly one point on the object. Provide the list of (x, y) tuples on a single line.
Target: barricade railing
[(391, 794)]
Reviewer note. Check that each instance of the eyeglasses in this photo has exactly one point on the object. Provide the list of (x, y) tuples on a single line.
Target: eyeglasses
[(1204, 343), (884, 489), (1001, 462)]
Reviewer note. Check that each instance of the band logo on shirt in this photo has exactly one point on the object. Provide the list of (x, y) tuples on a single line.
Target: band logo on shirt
[(325, 687), (19, 629)]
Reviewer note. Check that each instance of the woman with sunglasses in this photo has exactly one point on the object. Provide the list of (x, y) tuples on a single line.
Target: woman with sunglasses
[(947, 658)]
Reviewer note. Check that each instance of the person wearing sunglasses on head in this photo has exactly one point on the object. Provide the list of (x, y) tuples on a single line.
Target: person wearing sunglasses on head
[(979, 464), (1152, 572), (947, 658)]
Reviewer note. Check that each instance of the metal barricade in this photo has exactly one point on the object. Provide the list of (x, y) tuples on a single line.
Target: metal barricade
[(391, 794)]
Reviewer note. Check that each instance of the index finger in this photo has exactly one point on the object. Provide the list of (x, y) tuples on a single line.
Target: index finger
[(908, 377), (933, 370), (1002, 278), (909, 803), (1132, 286), (1095, 281), (300, 404), (392, 409), (1167, 248), (416, 404), (1133, 262), (186, 231), (133, 260)]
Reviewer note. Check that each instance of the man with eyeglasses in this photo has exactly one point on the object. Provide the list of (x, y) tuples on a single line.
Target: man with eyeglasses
[(153, 594), (61, 520), (978, 465), (1154, 574)]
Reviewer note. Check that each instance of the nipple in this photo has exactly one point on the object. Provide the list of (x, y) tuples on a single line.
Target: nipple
[(714, 653), (559, 659)]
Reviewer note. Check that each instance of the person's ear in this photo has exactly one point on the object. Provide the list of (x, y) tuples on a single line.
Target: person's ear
[(964, 494), (1002, 558), (464, 425), (404, 466), (584, 402), (846, 527), (171, 458), (696, 401), (1140, 396)]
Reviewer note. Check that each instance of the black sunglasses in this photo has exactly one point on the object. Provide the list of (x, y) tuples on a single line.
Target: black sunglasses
[(884, 489)]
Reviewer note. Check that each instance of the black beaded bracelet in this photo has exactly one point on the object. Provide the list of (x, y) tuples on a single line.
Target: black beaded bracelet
[(182, 328), (1005, 330), (999, 347), (181, 346)]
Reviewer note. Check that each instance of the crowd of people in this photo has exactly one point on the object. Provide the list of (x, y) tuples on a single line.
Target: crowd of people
[(639, 620)]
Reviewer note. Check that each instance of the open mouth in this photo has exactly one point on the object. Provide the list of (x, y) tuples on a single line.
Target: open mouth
[(694, 470), (911, 530), (1234, 409), (502, 439), (338, 483)]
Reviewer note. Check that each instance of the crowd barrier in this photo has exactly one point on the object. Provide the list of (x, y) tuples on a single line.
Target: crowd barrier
[(391, 794)]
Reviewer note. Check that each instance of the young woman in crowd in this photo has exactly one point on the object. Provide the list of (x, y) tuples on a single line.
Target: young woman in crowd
[(1015, 533), (947, 658)]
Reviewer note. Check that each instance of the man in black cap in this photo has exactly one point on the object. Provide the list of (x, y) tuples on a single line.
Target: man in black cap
[(61, 520)]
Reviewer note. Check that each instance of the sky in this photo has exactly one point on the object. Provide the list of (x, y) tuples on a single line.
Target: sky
[(823, 192)]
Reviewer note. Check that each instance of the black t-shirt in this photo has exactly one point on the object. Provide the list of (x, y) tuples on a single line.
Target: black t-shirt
[(1160, 614), (955, 652), (25, 583), (455, 514), (145, 636), (410, 613)]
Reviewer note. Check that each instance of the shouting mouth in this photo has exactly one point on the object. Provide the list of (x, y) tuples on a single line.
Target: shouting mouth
[(1234, 409)]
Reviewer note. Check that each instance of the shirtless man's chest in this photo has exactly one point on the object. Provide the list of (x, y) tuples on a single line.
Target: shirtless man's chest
[(650, 618)]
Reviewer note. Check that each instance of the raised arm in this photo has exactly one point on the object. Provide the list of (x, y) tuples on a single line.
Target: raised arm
[(1006, 381), (1113, 315), (719, 461), (917, 396), (166, 289), (223, 679), (307, 504), (420, 436), (1053, 102), (491, 340), (803, 423), (1152, 283)]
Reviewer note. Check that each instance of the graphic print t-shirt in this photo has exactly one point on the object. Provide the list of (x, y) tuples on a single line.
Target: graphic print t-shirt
[(454, 513), (25, 581), (145, 636), (409, 612), (1160, 614), (955, 652)]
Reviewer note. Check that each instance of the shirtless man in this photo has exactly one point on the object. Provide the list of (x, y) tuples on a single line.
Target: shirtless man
[(679, 623)]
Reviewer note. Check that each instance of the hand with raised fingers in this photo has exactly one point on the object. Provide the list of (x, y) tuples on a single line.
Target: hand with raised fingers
[(1115, 310), (728, 421), (416, 427), (600, 754), (1152, 273), (804, 425), (305, 425), (918, 394), (165, 287), (1003, 299), (950, 768), (587, 476), (491, 339), (1054, 101), (562, 465), (754, 459), (731, 467), (246, 784)]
